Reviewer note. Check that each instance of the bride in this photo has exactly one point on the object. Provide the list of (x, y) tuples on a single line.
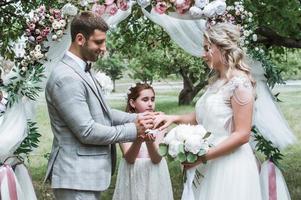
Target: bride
[(226, 109)]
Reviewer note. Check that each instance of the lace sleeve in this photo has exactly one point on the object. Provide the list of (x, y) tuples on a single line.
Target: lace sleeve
[(241, 90)]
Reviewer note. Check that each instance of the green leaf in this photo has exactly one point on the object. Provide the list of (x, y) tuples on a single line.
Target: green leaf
[(207, 135), (163, 149), (181, 157), (191, 158), (202, 152)]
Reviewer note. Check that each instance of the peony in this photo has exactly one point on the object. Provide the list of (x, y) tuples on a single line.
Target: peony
[(195, 12), (99, 9), (69, 10), (170, 136), (193, 144), (220, 7), (201, 3), (174, 148), (161, 7)]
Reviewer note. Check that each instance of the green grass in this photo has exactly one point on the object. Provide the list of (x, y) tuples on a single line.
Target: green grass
[(167, 102)]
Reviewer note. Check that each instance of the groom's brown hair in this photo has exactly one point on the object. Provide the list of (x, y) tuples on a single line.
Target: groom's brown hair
[(86, 23)]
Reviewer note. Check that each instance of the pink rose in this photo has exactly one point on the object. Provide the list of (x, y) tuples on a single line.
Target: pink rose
[(39, 39), (112, 9), (44, 33), (161, 7), (98, 9), (109, 2), (184, 7), (122, 5), (31, 26)]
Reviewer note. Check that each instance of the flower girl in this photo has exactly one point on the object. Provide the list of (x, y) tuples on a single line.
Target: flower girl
[(143, 174)]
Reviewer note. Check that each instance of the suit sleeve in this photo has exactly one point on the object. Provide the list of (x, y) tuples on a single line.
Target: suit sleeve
[(68, 96), (120, 117)]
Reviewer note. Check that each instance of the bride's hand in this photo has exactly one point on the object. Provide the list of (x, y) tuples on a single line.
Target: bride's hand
[(162, 121), (187, 165)]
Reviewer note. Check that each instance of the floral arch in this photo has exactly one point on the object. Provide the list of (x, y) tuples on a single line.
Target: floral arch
[(47, 38)]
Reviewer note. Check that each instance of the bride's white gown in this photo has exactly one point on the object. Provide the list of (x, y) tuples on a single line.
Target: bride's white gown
[(234, 176)]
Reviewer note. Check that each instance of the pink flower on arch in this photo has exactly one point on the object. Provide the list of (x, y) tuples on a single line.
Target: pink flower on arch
[(109, 2), (112, 9), (184, 7), (122, 5), (161, 7), (98, 9)]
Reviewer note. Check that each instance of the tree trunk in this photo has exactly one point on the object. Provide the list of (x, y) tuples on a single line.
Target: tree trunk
[(189, 90), (114, 85)]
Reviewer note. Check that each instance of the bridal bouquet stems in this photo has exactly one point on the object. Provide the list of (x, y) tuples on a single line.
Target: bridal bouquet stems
[(185, 143)]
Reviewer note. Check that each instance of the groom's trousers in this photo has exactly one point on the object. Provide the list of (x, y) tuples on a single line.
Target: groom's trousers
[(67, 194)]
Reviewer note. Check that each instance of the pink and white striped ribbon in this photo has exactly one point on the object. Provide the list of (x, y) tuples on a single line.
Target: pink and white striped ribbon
[(6, 170), (272, 181)]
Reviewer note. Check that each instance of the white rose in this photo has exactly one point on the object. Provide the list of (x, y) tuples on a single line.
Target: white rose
[(220, 7), (246, 33), (195, 12), (38, 55), (193, 144), (174, 148), (62, 23), (24, 69), (59, 33), (216, 7), (256, 49), (56, 25), (254, 37), (69, 10), (38, 47), (143, 3), (201, 3), (54, 37), (84, 3), (24, 63)]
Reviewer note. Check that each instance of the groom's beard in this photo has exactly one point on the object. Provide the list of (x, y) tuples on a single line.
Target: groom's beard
[(90, 54)]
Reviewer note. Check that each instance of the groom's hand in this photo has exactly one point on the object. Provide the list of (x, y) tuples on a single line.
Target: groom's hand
[(143, 122)]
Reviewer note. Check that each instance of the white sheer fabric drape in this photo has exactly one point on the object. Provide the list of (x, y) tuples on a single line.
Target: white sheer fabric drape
[(188, 34)]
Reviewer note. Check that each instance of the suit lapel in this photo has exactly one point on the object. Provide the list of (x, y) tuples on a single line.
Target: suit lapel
[(85, 76)]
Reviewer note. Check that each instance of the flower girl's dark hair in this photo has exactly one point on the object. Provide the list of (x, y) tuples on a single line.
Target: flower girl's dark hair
[(134, 93)]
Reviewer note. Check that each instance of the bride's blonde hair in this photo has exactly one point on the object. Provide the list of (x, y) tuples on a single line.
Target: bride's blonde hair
[(227, 37)]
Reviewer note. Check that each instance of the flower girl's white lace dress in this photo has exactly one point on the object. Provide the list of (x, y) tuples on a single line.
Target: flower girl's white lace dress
[(234, 176)]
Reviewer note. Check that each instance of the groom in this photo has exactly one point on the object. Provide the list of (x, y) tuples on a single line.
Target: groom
[(85, 129)]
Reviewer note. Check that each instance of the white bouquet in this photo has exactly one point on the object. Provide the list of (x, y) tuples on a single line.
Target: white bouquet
[(185, 143)]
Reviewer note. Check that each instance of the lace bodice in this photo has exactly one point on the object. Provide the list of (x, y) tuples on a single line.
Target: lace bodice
[(214, 110)]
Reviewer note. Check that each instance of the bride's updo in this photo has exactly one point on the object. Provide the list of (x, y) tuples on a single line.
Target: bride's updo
[(227, 37)]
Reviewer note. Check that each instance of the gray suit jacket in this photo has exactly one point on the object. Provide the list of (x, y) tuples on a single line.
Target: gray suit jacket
[(84, 128)]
